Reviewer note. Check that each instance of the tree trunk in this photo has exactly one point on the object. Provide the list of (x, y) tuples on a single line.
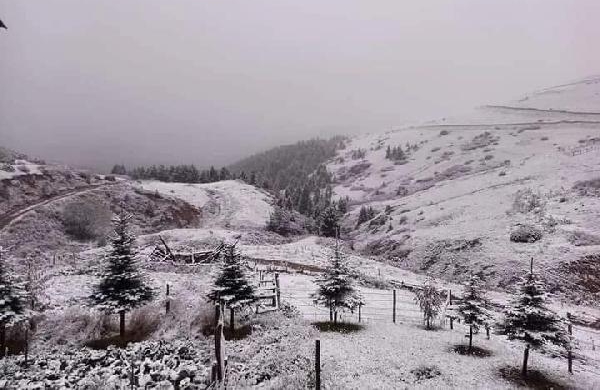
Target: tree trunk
[(231, 320), (525, 357), (335, 317), (122, 323), (470, 337), (2, 339), (330, 312), (427, 327)]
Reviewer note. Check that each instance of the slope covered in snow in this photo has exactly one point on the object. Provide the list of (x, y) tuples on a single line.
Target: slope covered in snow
[(450, 207)]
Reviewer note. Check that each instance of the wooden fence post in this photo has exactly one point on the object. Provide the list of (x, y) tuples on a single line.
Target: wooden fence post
[(318, 364), (168, 302), (278, 291), (394, 308), (359, 306), (26, 344), (219, 351), (569, 349)]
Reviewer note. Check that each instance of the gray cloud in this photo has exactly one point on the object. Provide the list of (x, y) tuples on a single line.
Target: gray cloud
[(97, 82)]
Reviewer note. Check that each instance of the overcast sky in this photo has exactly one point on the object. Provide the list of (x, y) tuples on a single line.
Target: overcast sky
[(92, 83)]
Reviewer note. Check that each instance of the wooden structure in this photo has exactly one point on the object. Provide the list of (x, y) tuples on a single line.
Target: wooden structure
[(163, 253)]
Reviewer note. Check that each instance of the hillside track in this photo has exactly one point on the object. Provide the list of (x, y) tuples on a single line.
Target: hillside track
[(8, 218)]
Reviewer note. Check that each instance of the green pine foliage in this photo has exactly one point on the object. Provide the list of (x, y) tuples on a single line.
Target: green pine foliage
[(472, 308), (528, 319), (231, 283), (365, 214), (122, 286), (336, 286), (330, 225), (181, 174)]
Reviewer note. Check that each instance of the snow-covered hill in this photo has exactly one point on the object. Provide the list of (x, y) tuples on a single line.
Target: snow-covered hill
[(449, 208), (227, 204)]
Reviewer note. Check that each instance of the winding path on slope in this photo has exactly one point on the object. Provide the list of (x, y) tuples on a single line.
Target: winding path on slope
[(15, 214)]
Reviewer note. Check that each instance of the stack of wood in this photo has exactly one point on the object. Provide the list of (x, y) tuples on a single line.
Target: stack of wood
[(163, 253)]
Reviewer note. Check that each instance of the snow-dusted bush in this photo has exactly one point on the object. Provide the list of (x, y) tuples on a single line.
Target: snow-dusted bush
[(526, 201), (588, 187), (85, 220), (480, 141), (581, 238), (525, 233)]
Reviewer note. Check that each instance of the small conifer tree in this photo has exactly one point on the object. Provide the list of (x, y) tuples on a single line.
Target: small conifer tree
[(122, 286), (472, 307), (231, 284), (336, 288), (529, 320), (329, 222)]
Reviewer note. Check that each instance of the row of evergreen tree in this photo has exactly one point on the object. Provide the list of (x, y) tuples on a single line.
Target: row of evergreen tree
[(180, 173)]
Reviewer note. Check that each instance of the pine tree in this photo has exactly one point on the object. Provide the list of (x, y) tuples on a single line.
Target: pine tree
[(430, 301), (472, 307), (122, 286), (231, 284), (12, 297), (336, 288), (329, 222), (528, 319)]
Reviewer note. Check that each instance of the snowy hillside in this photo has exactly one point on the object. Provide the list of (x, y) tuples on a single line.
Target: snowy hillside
[(228, 203), (449, 207)]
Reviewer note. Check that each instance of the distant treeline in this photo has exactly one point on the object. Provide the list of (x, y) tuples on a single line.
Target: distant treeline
[(175, 173)]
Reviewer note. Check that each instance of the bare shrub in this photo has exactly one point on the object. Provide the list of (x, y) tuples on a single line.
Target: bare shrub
[(525, 233), (526, 201), (85, 220), (76, 326), (144, 321)]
